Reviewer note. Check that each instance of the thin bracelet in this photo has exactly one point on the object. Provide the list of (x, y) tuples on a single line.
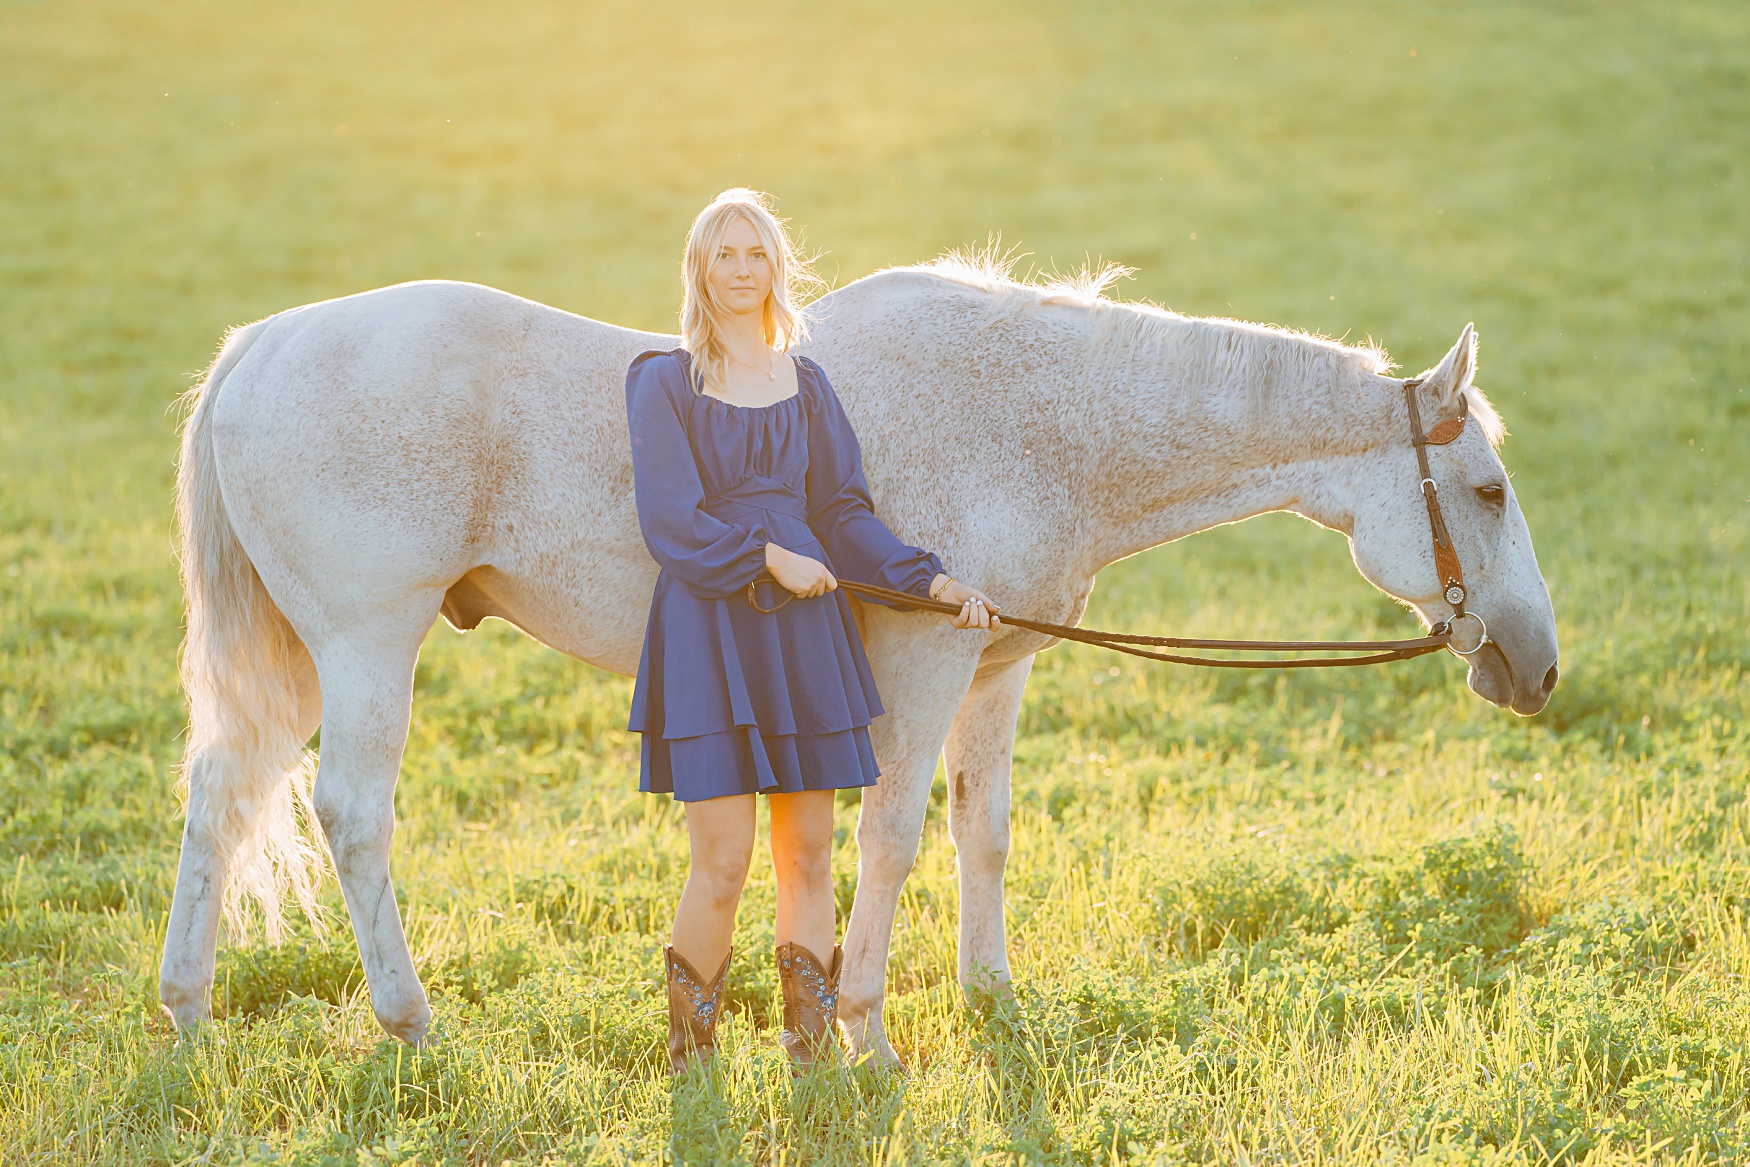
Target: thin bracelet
[(946, 580)]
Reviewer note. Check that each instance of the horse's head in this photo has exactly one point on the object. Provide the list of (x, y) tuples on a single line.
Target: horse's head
[(1515, 666)]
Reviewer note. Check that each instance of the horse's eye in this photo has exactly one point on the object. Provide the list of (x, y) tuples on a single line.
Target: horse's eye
[(1492, 494)]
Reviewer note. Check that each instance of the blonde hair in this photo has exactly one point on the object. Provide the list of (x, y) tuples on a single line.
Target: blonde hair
[(781, 318)]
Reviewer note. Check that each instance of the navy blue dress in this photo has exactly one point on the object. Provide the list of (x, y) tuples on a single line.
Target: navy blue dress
[(730, 700)]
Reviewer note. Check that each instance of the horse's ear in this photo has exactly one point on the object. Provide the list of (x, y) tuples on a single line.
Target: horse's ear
[(1454, 373)]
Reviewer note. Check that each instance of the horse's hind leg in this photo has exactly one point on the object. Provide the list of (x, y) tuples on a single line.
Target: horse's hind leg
[(979, 753), (245, 780), (367, 700), (191, 937)]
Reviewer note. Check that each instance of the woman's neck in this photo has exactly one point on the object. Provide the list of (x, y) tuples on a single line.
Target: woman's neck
[(752, 373), (744, 339)]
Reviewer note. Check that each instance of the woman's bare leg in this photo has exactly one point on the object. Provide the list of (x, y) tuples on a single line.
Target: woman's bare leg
[(802, 860), (720, 831)]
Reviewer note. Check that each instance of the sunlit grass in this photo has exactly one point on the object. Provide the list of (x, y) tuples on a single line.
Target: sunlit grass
[(1356, 917)]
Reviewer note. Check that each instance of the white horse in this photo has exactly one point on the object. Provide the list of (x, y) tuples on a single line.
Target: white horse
[(352, 469)]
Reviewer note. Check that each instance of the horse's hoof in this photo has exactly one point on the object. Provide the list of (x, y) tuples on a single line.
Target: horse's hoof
[(881, 1059), (192, 1035), (414, 1027), (189, 1014)]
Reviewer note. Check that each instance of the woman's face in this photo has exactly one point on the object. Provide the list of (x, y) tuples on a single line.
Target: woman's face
[(741, 274)]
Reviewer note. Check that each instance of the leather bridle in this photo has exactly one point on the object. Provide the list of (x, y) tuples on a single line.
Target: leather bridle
[(1446, 565)]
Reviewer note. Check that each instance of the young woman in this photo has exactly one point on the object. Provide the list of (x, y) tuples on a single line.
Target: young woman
[(745, 466)]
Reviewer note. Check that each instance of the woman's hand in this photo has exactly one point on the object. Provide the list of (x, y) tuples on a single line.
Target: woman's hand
[(977, 610), (798, 574)]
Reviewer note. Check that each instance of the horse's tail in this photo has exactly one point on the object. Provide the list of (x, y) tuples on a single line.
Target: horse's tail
[(246, 772)]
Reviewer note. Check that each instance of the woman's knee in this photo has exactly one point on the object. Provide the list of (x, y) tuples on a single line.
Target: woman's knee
[(720, 874), (802, 837), (809, 865)]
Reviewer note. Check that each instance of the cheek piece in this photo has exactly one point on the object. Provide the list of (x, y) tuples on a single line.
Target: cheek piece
[(1446, 564)]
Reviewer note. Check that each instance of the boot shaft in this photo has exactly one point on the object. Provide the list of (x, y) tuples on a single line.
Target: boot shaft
[(694, 1007), (811, 1000)]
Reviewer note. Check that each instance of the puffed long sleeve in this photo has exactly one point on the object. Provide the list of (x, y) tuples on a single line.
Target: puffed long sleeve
[(842, 515), (714, 558)]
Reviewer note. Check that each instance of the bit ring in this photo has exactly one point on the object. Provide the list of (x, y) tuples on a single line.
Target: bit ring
[(1482, 634)]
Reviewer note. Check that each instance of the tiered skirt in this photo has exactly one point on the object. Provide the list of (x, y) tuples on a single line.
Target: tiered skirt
[(730, 700)]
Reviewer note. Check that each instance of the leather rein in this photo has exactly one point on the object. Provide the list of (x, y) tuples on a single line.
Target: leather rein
[(1371, 652)]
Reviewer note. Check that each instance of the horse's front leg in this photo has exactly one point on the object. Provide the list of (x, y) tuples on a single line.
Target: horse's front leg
[(921, 681), (980, 751)]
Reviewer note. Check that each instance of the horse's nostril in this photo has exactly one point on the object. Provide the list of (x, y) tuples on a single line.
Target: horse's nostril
[(1549, 679)]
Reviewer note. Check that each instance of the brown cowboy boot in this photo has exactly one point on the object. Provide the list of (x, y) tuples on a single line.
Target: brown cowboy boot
[(694, 1005), (811, 1005)]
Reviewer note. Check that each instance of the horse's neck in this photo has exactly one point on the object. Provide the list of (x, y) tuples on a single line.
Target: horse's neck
[(1167, 456)]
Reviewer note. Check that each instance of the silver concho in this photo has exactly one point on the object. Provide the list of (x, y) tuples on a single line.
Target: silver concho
[(1454, 594)]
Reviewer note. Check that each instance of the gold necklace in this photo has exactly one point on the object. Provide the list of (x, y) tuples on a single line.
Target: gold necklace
[(771, 369)]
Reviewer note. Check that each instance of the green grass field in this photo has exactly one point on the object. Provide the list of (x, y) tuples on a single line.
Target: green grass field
[(1349, 918)]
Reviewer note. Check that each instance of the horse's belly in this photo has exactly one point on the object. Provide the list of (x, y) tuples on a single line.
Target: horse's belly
[(587, 603)]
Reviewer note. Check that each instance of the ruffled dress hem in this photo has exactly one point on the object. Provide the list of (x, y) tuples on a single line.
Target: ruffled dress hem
[(716, 765)]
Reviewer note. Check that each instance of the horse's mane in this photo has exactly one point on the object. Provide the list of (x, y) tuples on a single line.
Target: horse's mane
[(1265, 361)]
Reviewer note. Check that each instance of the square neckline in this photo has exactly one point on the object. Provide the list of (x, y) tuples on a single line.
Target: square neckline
[(798, 361)]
